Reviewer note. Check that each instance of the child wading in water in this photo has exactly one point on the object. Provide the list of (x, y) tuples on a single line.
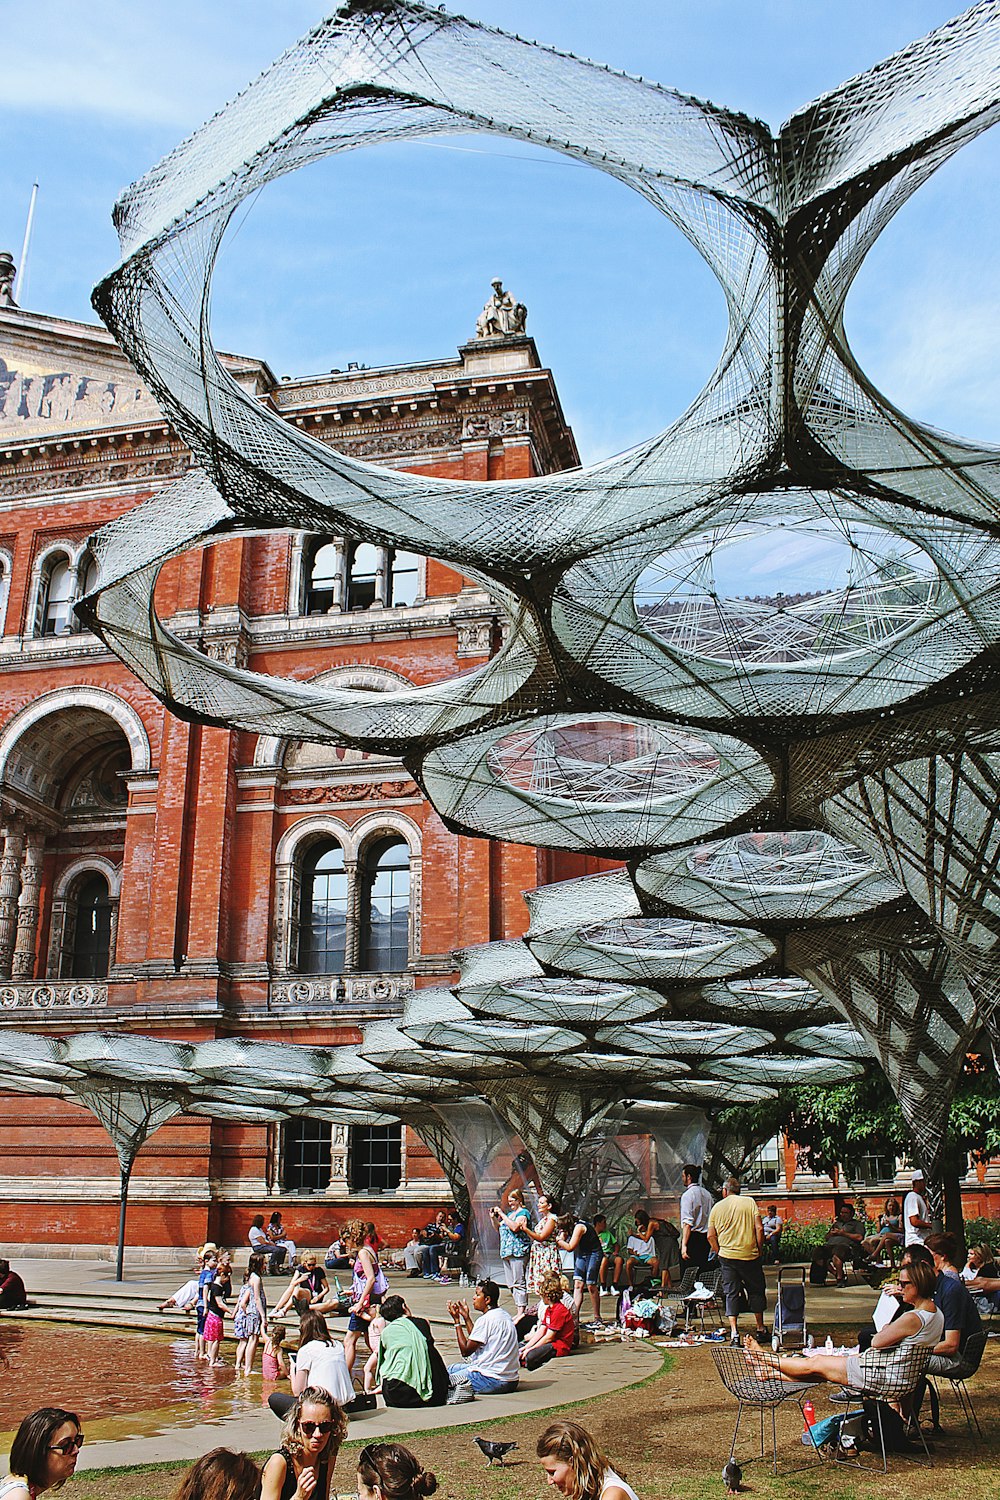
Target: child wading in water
[(273, 1364), (215, 1311), (250, 1315), (209, 1261)]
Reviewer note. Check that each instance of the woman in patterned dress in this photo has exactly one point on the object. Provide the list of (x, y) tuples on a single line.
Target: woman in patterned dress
[(544, 1255)]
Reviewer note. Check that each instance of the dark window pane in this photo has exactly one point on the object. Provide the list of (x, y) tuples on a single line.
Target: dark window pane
[(375, 1157), (323, 918), (305, 1154), (92, 930), (385, 907)]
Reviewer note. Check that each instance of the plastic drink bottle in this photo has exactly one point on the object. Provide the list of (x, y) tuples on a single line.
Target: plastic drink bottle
[(809, 1413), (829, 1344)]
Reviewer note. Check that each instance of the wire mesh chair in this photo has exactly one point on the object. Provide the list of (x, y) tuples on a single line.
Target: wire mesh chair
[(761, 1393), (892, 1379), (972, 1358), (696, 1304)]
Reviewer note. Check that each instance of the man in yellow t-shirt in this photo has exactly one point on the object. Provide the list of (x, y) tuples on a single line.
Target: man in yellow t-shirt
[(736, 1234)]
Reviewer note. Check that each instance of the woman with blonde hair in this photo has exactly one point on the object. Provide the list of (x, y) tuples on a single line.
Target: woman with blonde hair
[(388, 1471), (311, 1438), (578, 1467), (368, 1287), (221, 1475)]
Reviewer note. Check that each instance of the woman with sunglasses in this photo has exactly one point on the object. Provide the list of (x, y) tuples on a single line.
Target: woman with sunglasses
[(311, 1438), (388, 1471), (44, 1453), (920, 1323)]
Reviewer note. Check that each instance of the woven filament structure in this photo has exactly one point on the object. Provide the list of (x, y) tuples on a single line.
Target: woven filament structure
[(754, 658)]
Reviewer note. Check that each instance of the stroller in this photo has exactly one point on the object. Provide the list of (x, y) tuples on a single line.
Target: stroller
[(790, 1310)]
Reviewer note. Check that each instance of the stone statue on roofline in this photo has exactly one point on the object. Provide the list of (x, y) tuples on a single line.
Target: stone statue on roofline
[(502, 317), (8, 274)]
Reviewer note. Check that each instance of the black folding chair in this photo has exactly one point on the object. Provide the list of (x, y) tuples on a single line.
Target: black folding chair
[(760, 1392)]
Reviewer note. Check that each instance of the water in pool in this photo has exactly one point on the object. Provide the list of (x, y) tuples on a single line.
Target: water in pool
[(121, 1384)]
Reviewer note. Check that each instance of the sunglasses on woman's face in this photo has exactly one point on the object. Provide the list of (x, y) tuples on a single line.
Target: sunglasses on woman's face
[(310, 1427), (68, 1445)]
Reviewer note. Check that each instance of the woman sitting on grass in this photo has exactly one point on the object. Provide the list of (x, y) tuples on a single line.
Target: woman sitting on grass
[(874, 1370), (577, 1467), (43, 1454), (310, 1441), (221, 1475)]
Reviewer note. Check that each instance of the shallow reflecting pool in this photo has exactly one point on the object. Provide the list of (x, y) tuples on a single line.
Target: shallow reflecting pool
[(121, 1384)]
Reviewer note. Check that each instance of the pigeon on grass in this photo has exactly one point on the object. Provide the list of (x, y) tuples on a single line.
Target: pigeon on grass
[(493, 1450), (732, 1477)]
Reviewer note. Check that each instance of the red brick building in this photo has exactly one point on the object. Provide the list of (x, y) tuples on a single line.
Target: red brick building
[(190, 882)]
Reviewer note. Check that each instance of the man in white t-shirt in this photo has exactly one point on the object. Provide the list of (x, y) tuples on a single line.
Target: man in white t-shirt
[(916, 1215), (489, 1347), (696, 1205)]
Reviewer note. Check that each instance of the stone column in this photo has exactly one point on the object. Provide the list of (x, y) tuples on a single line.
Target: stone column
[(382, 579), (339, 578), (113, 933), (27, 908), (10, 889), (352, 938)]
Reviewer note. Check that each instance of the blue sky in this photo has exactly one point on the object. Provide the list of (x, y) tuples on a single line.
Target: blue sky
[(387, 255)]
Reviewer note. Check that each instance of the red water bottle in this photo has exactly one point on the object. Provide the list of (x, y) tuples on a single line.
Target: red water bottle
[(809, 1413)]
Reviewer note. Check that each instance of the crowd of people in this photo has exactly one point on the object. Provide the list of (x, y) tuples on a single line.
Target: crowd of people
[(47, 1445), (551, 1262)]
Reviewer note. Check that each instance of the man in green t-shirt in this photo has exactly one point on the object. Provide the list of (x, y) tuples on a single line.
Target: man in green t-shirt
[(736, 1234)]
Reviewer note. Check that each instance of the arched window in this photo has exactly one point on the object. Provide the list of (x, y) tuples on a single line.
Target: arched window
[(362, 575), (404, 578), (323, 564), (385, 907), (56, 605), (91, 929), (323, 922)]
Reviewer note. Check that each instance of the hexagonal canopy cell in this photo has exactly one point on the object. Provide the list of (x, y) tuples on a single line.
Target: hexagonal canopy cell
[(786, 590)]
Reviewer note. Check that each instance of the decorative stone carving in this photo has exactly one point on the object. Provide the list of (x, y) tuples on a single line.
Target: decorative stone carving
[(52, 994), (511, 423), (339, 989), (502, 317), (475, 634), (376, 989), (324, 990), (230, 649), (382, 791), (27, 909), (8, 275)]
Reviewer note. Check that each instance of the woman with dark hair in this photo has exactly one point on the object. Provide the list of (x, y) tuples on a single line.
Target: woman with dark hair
[(388, 1471), (411, 1371), (221, 1475), (873, 1370), (43, 1454), (311, 1438), (890, 1232), (578, 1467), (544, 1250), (319, 1362)]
